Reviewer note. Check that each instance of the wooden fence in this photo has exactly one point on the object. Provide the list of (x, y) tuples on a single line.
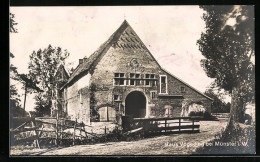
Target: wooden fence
[(153, 126), (221, 116), (27, 129), (24, 129)]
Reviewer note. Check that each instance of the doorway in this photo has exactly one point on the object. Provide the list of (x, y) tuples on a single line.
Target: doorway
[(135, 105)]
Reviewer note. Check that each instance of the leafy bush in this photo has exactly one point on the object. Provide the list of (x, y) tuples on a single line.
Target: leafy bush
[(206, 115)]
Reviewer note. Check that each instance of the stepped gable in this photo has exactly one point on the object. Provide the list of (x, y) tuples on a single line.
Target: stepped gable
[(124, 37)]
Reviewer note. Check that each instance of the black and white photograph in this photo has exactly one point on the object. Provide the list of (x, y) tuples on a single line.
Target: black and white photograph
[(132, 80)]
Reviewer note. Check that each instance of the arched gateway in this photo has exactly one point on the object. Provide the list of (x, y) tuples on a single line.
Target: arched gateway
[(135, 104)]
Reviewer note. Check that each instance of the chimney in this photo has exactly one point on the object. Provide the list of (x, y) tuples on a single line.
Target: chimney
[(85, 59), (80, 61)]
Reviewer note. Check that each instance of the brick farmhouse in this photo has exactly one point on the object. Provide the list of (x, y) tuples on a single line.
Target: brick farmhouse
[(121, 78)]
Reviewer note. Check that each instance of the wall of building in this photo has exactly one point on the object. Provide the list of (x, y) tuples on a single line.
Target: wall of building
[(78, 100), (116, 61), (119, 59), (174, 88)]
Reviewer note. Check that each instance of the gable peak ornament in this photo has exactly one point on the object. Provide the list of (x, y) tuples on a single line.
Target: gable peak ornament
[(135, 65)]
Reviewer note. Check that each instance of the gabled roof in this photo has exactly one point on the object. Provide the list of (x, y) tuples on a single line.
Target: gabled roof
[(87, 65), (187, 84)]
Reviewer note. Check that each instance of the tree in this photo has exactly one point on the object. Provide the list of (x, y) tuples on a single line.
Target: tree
[(12, 23), (15, 107), (228, 48), (29, 86), (42, 68), (14, 96), (218, 105)]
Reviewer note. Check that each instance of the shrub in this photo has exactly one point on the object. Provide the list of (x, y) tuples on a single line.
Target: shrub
[(208, 116)]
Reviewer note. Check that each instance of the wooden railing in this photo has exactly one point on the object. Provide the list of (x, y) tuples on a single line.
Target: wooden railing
[(27, 129), (221, 116), (24, 129), (163, 125)]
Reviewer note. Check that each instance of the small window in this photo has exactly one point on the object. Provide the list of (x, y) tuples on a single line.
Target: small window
[(122, 75), (152, 95), (116, 74), (183, 89), (117, 81), (147, 75), (116, 98), (132, 82), (147, 82), (163, 84), (137, 75), (163, 79), (152, 75), (153, 82), (132, 75), (121, 82), (138, 82)]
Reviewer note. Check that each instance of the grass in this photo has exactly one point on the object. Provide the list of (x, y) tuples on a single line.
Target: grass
[(235, 139)]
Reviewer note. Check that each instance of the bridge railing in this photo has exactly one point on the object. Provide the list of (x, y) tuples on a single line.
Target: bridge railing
[(164, 125)]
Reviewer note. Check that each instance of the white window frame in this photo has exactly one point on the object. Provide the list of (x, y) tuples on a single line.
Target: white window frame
[(145, 80), (151, 94), (130, 82), (114, 80), (118, 97), (140, 82), (166, 82)]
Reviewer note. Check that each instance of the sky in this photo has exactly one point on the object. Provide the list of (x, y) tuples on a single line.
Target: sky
[(169, 32)]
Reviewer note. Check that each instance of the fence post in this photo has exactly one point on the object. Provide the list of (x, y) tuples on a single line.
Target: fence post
[(61, 131), (34, 126), (56, 141), (80, 128), (85, 137), (165, 124), (74, 132), (192, 125), (105, 130), (37, 137), (179, 124)]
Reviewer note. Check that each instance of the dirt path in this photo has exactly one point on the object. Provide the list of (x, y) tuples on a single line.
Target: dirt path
[(175, 144)]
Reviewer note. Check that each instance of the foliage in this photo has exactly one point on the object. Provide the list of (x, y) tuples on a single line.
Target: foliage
[(15, 107), (42, 67), (93, 112), (228, 47), (70, 71), (12, 23), (186, 103), (29, 83), (206, 115), (218, 105)]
